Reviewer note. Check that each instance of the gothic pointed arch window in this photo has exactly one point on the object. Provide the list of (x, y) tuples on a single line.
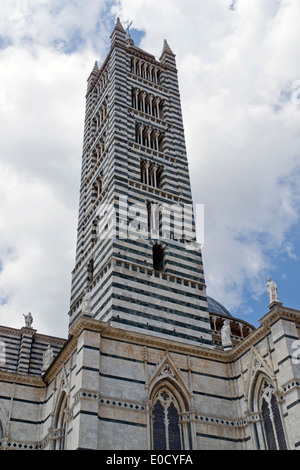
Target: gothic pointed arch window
[(60, 423), (3, 424), (272, 422), (167, 432), (270, 431)]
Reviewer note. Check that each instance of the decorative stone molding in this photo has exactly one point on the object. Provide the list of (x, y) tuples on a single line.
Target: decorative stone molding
[(13, 377), (17, 445), (262, 331), (168, 370), (279, 311), (257, 365), (115, 402), (289, 386), (254, 417), (86, 395), (221, 421)]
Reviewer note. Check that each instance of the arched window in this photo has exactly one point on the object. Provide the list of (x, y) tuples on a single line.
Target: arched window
[(159, 175), (94, 229), (97, 187), (60, 423), (151, 173), (272, 423), (167, 432), (158, 257), (269, 428), (90, 271)]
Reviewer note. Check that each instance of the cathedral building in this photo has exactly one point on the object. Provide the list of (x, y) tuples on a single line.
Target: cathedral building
[(150, 362)]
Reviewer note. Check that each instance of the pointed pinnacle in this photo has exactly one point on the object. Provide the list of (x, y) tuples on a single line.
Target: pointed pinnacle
[(166, 48), (119, 25)]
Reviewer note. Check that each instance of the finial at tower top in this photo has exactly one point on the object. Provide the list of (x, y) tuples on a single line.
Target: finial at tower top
[(118, 34), (166, 48), (119, 25), (167, 55), (129, 40), (93, 75)]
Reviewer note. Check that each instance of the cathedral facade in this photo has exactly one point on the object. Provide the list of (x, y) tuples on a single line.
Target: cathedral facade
[(151, 362)]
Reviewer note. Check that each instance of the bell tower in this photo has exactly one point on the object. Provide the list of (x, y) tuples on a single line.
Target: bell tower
[(138, 265)]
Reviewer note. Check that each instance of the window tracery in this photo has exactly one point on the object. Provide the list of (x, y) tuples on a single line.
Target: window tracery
[(272, 420), (145, 70), (100, 116), (270, 431), (148, 137), (167, 433), (61, 423), (147, 103), (151, 173)]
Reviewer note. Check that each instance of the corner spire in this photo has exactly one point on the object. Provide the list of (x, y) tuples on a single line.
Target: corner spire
[(167, 55), (119, 25), (167, 49), (93, 75), (96, 68), (118, 33)]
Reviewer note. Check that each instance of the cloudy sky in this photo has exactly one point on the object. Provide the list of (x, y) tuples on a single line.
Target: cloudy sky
[(239, 79)]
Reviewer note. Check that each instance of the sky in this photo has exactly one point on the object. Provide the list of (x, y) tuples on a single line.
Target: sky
[(239, 78)]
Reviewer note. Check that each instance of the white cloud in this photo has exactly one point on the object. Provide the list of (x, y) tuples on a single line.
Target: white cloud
[(236, 70), (42, 101), (37, 247), (55, 23)]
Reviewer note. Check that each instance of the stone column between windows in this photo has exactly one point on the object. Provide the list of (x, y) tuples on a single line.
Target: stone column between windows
[(141, 133), (151, 97), (136, 98), (147, 172), (144, 101), (154, 175), (157, 107)]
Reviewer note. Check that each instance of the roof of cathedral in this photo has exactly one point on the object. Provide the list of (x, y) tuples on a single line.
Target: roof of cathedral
[(216, 307)]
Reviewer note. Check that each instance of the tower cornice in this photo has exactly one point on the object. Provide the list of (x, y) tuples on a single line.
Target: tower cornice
[(107, 331)]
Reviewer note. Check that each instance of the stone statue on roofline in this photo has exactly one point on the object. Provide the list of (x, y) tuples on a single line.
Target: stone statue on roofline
[(47, 358), (272, 290), (28, 320), (226, 335)]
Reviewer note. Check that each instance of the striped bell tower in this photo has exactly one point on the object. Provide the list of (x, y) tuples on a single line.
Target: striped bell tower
[(138, 265)]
